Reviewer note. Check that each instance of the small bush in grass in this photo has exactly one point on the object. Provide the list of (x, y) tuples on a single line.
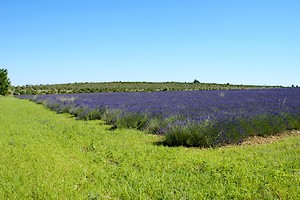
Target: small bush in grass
[(293, 121), (132, 120), (92, 114), (65, 109), (264, 125), (54, 106), (76, 111), (83, 115), (191, 135), (97, 113), (154, 125), (111, 116)]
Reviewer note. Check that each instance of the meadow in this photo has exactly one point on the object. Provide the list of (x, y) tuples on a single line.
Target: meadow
[(49, 156)]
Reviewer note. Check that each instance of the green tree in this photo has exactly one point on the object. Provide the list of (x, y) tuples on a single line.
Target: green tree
[(4, 82), (196, 81)]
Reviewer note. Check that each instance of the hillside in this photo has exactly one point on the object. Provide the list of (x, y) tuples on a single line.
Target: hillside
[(126, 87)]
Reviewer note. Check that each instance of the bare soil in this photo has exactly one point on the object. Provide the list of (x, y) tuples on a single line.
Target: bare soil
[(257, 140)]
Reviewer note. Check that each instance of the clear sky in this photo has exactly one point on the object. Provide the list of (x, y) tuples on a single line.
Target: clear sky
[(215, 41)]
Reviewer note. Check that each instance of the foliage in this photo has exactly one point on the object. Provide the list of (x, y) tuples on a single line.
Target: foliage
[(91, 114), (191, 135), (132, 120), (196, 81), (4, 82), (216, 133), (232, 115), (153, 125), (48, 156), (127, 87)]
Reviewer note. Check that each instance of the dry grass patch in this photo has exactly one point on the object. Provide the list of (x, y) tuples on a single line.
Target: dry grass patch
[(258, 140)]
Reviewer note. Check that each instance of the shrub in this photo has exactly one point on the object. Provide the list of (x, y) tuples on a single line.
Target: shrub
[(132, 120), (229, 131), (53, 106), (77, 111), (293, 121), (154, 125), (65, 109), (110, 116), (91, 114), (191, 135)]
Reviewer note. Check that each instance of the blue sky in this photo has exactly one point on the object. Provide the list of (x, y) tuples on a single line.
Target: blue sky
[(217, 41)]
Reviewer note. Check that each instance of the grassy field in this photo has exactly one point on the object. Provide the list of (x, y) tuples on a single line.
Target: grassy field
[(44, 155)]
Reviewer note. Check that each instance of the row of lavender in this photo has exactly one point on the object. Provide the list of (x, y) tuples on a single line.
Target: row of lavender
[(190, 118)]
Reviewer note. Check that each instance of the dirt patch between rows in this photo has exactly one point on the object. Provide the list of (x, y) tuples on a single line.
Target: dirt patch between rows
[(257, 140)]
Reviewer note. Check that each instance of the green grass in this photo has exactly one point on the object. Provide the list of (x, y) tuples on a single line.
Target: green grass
[(44, 155)]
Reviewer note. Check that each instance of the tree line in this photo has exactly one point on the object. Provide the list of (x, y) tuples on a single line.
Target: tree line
[(117, 86), (126, 87)]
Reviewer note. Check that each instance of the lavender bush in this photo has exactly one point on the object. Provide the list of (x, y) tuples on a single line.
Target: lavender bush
[(190, 118)]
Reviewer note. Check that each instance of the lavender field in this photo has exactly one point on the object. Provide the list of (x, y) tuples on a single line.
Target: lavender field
[(189, 118)]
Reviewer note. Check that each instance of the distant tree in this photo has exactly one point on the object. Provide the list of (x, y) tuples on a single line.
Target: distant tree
[(4, 82), (293, 85), (196, 81)]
